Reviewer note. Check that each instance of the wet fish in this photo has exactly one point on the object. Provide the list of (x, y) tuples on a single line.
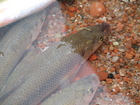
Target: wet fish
[(16, 41), (16, 77), (80, 92), (57, 66), (13, 10)]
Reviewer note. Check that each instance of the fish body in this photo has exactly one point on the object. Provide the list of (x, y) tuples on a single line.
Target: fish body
[(57, 65), (16, 41), (18, 74), (80, 92), (13, 10)]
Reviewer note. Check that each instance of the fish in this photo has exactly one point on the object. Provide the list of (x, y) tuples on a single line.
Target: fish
[(3, 30), (16, 41), (80, 92), (57, 66), (16, 77), (13, 10)]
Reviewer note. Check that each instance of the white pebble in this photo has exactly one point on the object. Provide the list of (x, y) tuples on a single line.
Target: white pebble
[(122, 72), (103, 19), (108, 56), (115, 59), (115, 43)]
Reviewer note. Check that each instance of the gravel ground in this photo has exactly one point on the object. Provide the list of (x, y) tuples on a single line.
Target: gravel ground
[(119, 55)]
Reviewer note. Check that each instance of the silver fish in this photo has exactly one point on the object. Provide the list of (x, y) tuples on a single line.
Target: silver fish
[(80, 92), (16, 77), (57, 66), (13, 10), (16, 41)]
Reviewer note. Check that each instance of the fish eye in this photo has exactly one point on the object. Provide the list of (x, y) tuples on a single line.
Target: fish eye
[(101, 39)]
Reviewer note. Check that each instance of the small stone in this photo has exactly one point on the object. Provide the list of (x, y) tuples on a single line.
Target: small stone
[(125, 0), (115, 59), (121, 49), (128, 55), (120, 26), (111, 76), (126, 79), (128, 44), (93, 57), (122, 72), (109, 81), (136, 47), (71, 14), (108, 56), (97, 9), (103, 19), (111, 48), (102, 75), (116, 89), (115, 43), (72, 9), (117, 76)]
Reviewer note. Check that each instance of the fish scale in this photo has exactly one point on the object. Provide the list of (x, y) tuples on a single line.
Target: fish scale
[(54, 67), (46, 80), (18, 74), (80, 92), (16, 41)]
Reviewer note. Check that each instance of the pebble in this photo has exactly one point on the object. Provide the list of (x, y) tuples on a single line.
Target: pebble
[(120, 26), (122, 72), (121, 49), (109, 81), (125, 0), (115, 59), (102, 75), (72, 9), (111, 48), (116, 89), (93, 57), (128, 55), (97, 9), (103, 19), (108, 56), (126, 79), (110, 76), (115, 43), (128, 44)]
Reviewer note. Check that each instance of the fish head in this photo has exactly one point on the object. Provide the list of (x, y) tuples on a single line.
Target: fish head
[(93, 38), (87, 40), (87, 89)]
